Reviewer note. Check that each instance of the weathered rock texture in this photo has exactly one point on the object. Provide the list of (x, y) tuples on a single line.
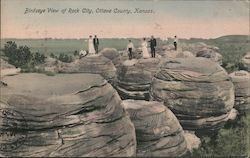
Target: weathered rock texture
[(177, 54), (241, 81), (63, 115), (210, 54), (158, 132), (196, 47), (92, 64), (246, 62), (113, 55), (197, 90), (134, 78)]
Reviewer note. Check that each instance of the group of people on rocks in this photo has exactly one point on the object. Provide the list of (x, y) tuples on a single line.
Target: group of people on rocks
[(93, 45)]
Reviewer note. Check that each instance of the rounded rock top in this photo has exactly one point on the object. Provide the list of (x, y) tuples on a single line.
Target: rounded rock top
[(44, 86)]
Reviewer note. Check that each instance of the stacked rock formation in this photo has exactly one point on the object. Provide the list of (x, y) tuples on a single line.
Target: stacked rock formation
[(210, 54), (197, 90), (246, 62), (241, 80), (113, 55), (92, 64), (158, 132), (64, 115), (134, 78)]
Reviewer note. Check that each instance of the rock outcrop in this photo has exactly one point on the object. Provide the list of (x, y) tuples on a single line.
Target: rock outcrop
[(177, 54), (210, 54), (7, 69), (241, 81), (196, 47), (70, 115), (197, 90), (134, 78), (92, 64), (246, 62), (113, 55), (158, 132)]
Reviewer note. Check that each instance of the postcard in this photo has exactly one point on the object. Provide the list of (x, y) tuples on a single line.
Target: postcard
[(131, 78)]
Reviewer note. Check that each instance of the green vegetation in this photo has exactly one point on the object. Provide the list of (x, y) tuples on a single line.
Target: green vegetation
[(65, 58), (21, 56), (232, 48), (232, 140)]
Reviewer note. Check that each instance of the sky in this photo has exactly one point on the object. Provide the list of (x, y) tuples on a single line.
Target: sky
[(184, 18)]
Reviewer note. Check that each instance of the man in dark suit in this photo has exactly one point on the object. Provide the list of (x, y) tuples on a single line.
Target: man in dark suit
[(96, 44), (152, 46)]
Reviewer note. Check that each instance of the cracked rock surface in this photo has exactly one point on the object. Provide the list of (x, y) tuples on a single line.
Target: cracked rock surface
[(158, 132), (134, 78), (197, 90), (64, 115)]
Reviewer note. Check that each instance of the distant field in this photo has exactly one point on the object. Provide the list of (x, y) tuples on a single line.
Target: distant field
[(68, 46), (232, 47)]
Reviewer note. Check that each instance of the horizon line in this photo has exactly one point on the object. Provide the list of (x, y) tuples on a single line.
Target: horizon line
[(120, 37)]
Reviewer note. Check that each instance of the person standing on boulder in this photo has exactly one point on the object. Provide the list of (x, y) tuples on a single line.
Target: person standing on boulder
[(152, 46), (130, 48), (96, 44), (175, 42)]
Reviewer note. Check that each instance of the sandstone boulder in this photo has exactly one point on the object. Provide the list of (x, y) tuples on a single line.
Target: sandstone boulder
[(113, 55), (70, 115), (197, 90), (210, 54), (198, 46), (246, 62), (177, 54), (241, 81), (158, 132), (97, 64), (134, 78)]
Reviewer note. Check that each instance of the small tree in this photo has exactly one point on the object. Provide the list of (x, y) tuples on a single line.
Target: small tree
[(52, 55), (39, 58), (19, 57)]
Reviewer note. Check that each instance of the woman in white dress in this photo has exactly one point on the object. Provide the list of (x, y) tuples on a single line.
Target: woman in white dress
[(91, 46), (145, 53)]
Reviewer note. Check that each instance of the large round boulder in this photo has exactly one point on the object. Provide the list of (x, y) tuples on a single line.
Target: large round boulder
[(197, 90), (134, 78), (72, 115), (241, 81), (210, 54), (158, 132), (96, 64), (198, 46), (113, 55), (246, 62)]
